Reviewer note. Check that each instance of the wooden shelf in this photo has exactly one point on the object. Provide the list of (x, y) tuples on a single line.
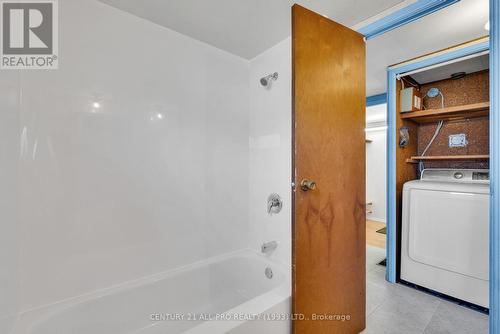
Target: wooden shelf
[(417, 159), (452, 113)]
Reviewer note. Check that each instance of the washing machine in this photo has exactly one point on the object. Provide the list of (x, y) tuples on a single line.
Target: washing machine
[(445, 233)]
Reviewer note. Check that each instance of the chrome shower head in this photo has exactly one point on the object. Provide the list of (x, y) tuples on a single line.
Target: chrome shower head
[(266, 81)]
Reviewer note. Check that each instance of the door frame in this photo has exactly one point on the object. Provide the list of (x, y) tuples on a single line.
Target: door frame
[(494, 167), (481, 45), (493, 45), (399, 15)]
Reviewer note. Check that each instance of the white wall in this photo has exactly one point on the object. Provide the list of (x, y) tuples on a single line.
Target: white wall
[(155, 178), (270, 149), (376, 165), (9, 236)]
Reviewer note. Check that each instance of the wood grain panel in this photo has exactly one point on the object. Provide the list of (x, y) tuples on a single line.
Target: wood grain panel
[(329, 148)]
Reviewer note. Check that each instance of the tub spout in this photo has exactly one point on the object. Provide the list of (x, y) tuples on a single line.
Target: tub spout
[(268, 247)]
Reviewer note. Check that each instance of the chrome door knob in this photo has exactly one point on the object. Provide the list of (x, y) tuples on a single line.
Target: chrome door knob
[(307, 185)]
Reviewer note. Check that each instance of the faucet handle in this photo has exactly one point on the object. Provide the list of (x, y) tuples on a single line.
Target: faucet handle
[(274, 204)]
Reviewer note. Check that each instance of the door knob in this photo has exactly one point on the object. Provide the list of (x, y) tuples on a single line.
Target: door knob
[(307, 185)]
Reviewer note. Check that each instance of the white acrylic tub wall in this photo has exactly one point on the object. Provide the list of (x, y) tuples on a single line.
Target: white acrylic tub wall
[(9, 157), (153, 178), (271, 148), (221, 288)]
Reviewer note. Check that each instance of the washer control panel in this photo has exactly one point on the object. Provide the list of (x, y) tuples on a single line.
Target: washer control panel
[(481, 176), (456, 175)]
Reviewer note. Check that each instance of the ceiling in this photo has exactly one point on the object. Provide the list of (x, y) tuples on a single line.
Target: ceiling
[(248, 27), (244, 27), (450, 26), (470, 65)]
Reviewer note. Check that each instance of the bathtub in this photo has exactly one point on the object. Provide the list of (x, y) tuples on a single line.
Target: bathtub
[(225, 294)]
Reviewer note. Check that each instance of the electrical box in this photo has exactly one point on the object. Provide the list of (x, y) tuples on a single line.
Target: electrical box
[(411, 99), (458, 140)]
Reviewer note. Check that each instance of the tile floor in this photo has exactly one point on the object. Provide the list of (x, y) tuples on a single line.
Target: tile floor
[(397, 309)]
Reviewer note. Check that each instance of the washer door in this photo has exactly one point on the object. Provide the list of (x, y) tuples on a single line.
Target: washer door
[(450, 231)]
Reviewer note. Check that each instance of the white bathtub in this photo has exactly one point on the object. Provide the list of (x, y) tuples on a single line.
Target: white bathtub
[(216, 290)]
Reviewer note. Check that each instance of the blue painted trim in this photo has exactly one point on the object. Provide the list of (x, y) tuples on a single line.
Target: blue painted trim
[(376, 99), (495, 167), (404, 16), (392, 137), (450, 55), (391, 178)]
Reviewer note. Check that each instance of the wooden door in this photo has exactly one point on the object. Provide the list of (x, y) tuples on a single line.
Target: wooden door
[(329, 148)]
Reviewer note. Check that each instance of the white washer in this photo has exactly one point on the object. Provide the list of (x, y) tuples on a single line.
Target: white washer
[(445, 233)]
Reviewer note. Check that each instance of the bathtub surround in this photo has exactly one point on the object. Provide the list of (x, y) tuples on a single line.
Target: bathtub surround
[(9, 235), (118, 190), (270, 149), (132, 159)]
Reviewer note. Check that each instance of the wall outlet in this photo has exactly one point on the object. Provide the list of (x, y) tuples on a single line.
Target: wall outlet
[(458, 140)]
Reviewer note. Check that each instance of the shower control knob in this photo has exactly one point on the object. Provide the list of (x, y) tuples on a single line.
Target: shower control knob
[(274, 204), (307, 185)]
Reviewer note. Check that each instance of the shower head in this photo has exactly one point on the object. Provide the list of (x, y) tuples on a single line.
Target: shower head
[(266, 81)]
